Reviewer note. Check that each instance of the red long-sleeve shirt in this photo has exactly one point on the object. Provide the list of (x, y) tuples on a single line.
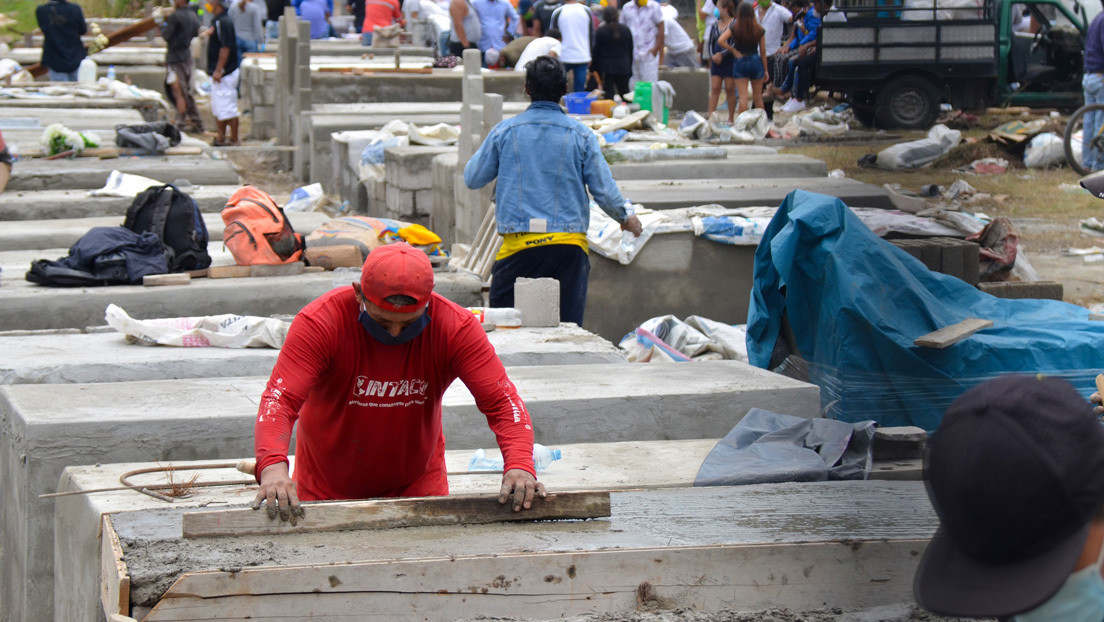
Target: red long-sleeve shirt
[(370, 414), (378, 13)]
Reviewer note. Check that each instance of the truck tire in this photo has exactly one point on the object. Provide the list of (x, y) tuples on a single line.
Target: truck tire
[(908, 102)]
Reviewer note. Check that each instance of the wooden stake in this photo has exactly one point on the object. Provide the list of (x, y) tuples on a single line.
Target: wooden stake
[(388, 513), (114, 578), (949, 335), (154, 280)]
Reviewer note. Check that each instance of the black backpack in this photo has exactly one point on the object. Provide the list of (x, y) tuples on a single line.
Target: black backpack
[(174, 217)]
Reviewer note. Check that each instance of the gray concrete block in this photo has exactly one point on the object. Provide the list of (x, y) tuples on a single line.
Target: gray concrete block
[(899, 443), (43, 429), (660, 194), (951, 258), (400, 202), (48, 204), (971, 262), (538, 300), (35, 307), (410, 168), (932, 255), (68, 356), (423, 203), (442, 219), (732, 167), (91, 173), (1046, 290)]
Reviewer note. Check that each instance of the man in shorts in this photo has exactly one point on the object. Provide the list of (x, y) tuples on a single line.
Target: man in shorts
[(180, 27), (222, 64)]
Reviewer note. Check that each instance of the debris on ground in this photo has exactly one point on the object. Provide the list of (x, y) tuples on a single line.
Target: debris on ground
[(1045, 151), (1090, 255), (917, 153), (985, 166), (967, 152)]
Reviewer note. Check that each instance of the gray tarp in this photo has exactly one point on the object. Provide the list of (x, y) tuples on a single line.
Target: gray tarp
[(768, 447)]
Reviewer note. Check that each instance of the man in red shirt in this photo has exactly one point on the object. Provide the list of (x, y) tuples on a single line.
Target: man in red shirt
[(363, 371), (377, 14)]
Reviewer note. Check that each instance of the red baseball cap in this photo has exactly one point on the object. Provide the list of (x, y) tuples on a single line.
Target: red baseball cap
[(397, 269)]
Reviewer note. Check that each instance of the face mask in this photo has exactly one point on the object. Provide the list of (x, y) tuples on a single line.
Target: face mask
[(1080, 599), (764, 3), (717, 13), (380, 334)]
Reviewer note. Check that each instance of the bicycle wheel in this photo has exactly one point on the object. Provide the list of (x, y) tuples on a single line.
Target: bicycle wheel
[(1073, 138)]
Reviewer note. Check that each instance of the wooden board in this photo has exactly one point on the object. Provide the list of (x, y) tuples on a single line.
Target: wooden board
[(227, 272), (154, 280), (949, 335), (849, 574), (114, 579), (389, 513)]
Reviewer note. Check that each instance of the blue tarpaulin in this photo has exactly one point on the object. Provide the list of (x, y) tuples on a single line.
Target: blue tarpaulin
[(856, 304)]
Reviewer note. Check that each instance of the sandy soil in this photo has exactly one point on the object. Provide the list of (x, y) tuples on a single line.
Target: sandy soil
[(905, 612)]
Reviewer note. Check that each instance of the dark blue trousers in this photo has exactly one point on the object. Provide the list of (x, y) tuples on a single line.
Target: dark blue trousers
[(566, 263)]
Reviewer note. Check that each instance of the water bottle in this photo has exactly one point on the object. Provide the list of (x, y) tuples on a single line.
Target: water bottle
[(111, 72), (504, 317), (543, 456), (480, 462)]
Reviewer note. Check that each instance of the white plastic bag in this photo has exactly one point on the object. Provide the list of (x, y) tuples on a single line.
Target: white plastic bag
[(754, 122), (606, 238), (220, 331), (305, 198), (125, 185), (917, 153), (1044, 151)]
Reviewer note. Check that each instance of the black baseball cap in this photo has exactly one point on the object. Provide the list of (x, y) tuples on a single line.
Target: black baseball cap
[(1015, 472)]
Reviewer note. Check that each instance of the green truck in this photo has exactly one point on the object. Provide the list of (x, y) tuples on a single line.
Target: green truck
[(896, 63)]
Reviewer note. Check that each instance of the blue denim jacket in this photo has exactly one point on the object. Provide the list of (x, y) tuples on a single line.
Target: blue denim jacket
[(542, 159)]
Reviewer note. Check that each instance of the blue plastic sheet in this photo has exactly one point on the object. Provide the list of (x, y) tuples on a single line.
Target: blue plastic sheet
[(856, 303)]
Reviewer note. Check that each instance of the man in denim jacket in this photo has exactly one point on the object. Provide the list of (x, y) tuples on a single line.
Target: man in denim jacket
[(545, 162)]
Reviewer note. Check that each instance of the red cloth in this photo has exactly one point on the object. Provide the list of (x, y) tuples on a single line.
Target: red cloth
[(381, 13), (370, 414)]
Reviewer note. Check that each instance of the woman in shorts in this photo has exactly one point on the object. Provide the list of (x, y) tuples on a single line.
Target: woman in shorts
[(720, 69), (746, 42)]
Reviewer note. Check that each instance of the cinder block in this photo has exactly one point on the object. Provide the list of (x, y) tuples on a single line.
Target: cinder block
[(410, 168), (423, 203), (899, 443), (400, 202), (1042, 290), (932, 255), (264, 115), (971, 262), (950, 257), (538, 300)]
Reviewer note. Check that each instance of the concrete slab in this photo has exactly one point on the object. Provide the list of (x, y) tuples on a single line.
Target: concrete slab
[(111, 56), (64, 358), (63, 232), (91, 173), (588, 466), (675, 273), (89, 119), (46, 428), (760, 166), (149, 108), (47, 204), (659, 194), (858, 542), (35, 307), (592, 466)]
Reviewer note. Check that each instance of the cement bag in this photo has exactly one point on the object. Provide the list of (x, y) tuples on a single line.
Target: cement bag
[(1044, 151), (367, 233), (606, 238), (923, 152), (735, 230), (641, 346), (753, 122), (306, 198), (730, 341), (220, 331), (676, 334)]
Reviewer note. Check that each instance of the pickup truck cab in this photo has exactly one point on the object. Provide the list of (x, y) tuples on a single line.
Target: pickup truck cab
[(896, 63)]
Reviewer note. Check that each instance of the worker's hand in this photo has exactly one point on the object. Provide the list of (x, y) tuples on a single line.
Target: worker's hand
[(1098, 408), (717, 58), (766, 76), (655, 50), (217, 76), (524, 487), (632, 225), (277, 487)]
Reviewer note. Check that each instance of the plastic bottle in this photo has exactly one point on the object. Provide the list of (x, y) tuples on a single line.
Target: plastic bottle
[(111, 72), (86, 73), (543, 456), (505, 317)]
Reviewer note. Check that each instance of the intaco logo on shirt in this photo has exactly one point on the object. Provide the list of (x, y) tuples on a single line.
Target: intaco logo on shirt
[(366, 387)]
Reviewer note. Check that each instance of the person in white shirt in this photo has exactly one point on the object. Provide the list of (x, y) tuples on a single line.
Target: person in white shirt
[(680, 48), (645, 19), (548, 45), (709, 14), (576, 26), (773, 17)]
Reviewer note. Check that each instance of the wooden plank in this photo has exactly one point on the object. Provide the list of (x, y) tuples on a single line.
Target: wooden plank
[(114, 578), (197, 274), (228, 272), (389, 513), (949, 335), (812, 575), (154, 280), (313, 269), (284, 269)]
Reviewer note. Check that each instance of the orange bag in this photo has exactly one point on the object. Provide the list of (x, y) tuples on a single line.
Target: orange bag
[(257, 231)]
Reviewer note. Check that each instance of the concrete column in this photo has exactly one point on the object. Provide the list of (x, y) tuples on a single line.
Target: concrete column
[(301, 102)]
